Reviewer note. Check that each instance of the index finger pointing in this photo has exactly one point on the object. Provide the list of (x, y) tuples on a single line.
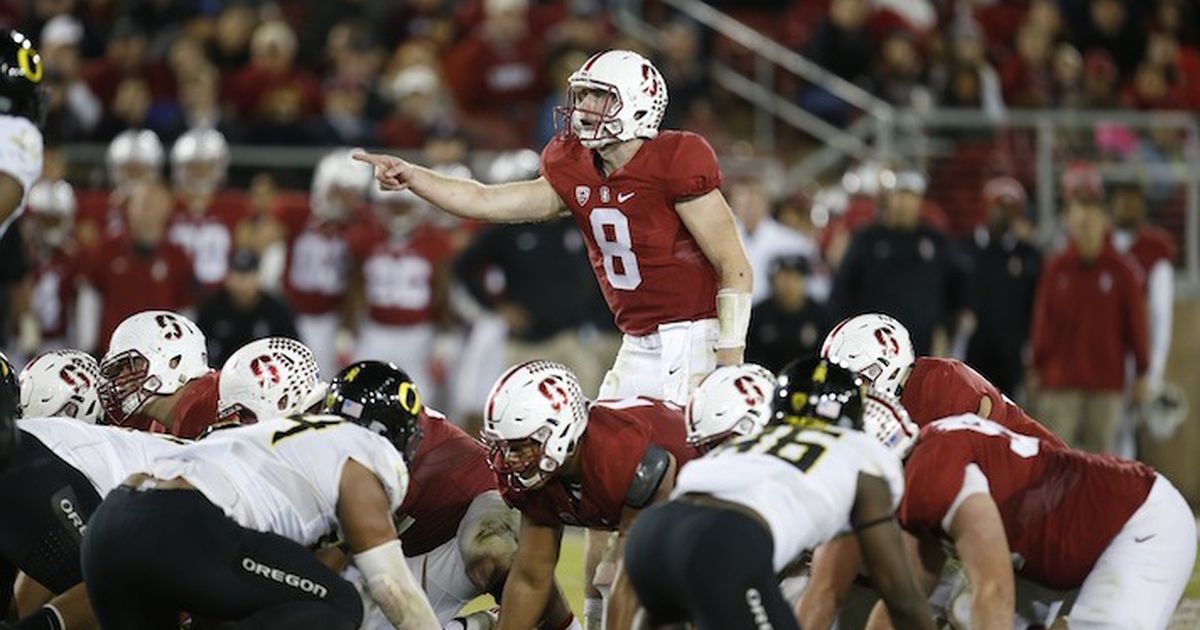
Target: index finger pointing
[(374, 159)]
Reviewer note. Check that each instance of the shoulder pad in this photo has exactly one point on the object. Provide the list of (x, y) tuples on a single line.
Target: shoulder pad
[(648, 477)]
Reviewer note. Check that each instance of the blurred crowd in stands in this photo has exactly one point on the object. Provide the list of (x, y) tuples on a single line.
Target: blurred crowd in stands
[(357, 274)]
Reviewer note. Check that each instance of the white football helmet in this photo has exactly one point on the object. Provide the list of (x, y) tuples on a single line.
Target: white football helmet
[(199, 161), (635, 104), (886, 420), (152, 353), (875, 346), (267, 378), (731, 400), (62, 383), (53, 203), (339, 184), (535, 415), (133, 154)]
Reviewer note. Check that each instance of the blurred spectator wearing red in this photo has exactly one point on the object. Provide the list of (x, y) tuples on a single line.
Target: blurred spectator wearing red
[(496, 74), (127, 55), (271, 88), (1089, 314), (139, 269), (1006, 266)]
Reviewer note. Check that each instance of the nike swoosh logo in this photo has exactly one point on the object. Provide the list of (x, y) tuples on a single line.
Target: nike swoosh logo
[(672, 372), (623, 197), (1144, 538)]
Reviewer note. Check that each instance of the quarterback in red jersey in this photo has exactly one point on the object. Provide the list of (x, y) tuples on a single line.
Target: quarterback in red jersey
[(878, 347), (564, 460), (458, 535), (659, 233), (155, 376)]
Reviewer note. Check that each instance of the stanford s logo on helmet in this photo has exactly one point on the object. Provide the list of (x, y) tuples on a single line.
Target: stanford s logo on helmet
[(152, 353), (875, 346), (271, 377), (535, 416), (731, 400), (62, 383), (633, 105)]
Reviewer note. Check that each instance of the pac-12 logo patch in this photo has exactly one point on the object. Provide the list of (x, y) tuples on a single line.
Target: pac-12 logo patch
[(582, 194)]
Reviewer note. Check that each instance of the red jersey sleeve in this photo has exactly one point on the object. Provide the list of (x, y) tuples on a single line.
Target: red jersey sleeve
[(933, 476), (692, 170)]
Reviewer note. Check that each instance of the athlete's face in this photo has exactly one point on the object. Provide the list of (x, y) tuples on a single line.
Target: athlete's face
[(592, 105)]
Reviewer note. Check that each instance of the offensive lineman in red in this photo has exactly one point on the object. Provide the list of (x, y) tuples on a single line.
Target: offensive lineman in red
[(658, 230), (878, 348), (564, 460), (1014, 504), (155, 376), (457, 533)]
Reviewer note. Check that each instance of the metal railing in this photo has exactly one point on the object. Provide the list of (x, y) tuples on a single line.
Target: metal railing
[(1055, 138), (860, 141)]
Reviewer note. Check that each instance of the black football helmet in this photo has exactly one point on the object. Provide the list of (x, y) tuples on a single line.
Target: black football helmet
[(818, 390), (21, 73), (10, 410), (380, 397)]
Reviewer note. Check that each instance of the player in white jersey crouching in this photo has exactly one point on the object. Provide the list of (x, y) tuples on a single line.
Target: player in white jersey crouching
[(222, 529), (746, 510), (60, 470)]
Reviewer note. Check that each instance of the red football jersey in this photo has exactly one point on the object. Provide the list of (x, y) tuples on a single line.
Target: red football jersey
[(1060, 507), (314, 277), (940, 388), (195, 410), (53, 297), (650, 269), (448, 470), (399, 273), (208, 238), (617, 436), (130, 281)]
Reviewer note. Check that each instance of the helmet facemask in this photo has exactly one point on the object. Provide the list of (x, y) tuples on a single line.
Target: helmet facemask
[(524, 461), (126, 385), (592, 113)]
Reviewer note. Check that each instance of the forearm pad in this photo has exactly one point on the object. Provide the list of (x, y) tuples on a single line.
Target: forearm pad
[(393, 588), (733, 318)]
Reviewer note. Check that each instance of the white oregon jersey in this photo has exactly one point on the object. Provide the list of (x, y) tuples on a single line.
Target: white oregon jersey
[(282, 475), (802, 480), (20, 157), (105, 455)]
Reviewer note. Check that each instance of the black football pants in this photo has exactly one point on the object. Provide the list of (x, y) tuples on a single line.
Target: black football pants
[(149, 555), (710, 566)]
